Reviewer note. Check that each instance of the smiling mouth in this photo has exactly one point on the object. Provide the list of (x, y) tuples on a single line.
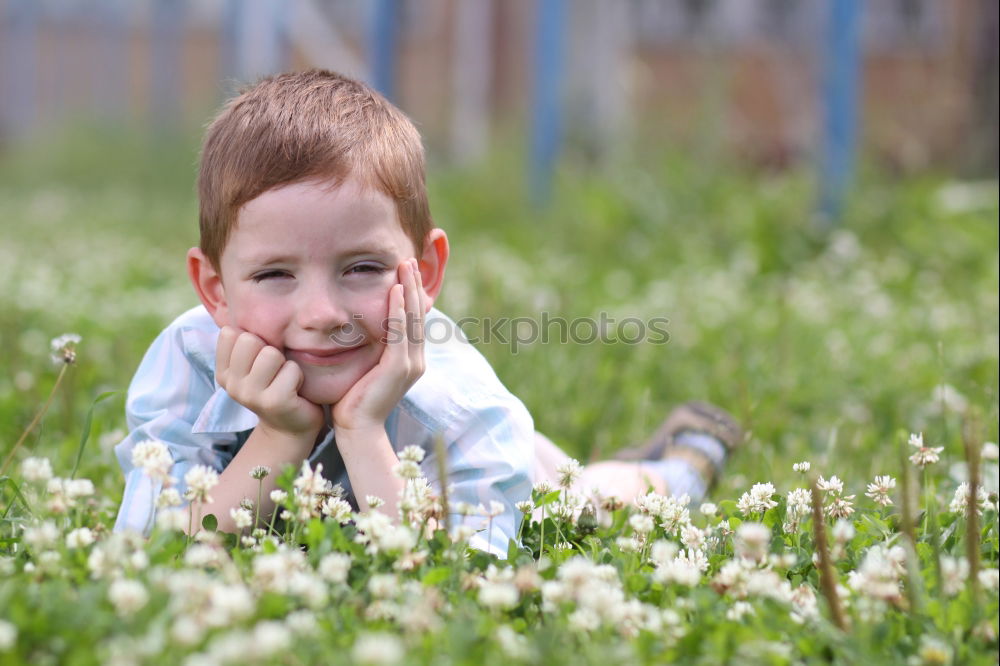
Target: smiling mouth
[(324, 356)]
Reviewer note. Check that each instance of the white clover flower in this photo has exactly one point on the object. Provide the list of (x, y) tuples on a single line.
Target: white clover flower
[(878, 491), (76, 488), (990, 579), (377, 649), (662, 551), (628, 544), (497, 595), (832, 485), (799, 503), (42, 535), (960, 502), (843, 531), (840, 507), (168, 497), (933, 651), (642, 523), (172, 520), (752, 541), (802, 467), (412, 453), (543, 487), (153, 458), (568, 472), (495, 509), (8, 635), (128, 596), (878, 575), (63, 348), (678, 570), (278, 496), (757, 500), (302, 623), (270, 637), (260, 472), (36, 470), (406, 469), (334, 567), (990, 451), (692, 537), (512, 644), (527, 506), (925, 455), (373, 501), (79, 538), (954, 573), (242, 518), (336, 508), (738, 610), (708, 509), (200, 480)]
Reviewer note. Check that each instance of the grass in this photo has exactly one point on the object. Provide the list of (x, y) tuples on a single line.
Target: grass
[(824, 345)]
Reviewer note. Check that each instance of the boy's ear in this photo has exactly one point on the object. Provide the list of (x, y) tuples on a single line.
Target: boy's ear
[(208, 283), (433, 261)]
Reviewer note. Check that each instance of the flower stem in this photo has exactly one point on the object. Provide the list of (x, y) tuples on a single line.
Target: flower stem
[(34, 421), (828, 585)]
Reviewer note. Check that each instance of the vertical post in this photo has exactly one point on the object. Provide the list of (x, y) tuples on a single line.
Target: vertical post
[(20, 58), (167, 33), (111, 84), (840, 105), (546, 130), (472, 70), (229, 45), (383, 44)]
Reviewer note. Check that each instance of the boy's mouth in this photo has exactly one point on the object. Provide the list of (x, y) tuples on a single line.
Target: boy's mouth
[(334, 356)]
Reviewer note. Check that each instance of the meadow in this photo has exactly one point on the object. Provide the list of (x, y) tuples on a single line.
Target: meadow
[(837, 345)]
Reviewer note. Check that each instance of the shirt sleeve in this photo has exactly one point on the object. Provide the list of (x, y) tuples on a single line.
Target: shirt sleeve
[(489, 460), (167, 393)]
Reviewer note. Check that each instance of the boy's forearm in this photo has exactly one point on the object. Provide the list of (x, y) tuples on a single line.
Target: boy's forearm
[(264, 447), (370, 460)]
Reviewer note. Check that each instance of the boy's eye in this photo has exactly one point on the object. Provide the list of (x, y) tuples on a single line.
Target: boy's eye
[(269, 275), (366, 268)]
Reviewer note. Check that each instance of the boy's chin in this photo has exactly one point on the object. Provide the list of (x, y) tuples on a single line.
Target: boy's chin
[(323, 395)]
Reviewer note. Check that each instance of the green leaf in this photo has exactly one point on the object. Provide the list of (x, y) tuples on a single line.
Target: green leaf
[(85, 435), (436, 576), (210, 522), (548, 498)]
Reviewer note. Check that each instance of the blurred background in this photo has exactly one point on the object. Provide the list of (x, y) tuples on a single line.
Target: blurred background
[(766, 82), (807, 189)]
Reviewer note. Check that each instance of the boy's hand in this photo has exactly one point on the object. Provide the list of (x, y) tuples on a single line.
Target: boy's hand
[(259, 377), (368, 403)]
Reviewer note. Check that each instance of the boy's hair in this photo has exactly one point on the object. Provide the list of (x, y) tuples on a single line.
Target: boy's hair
[(303, 126)]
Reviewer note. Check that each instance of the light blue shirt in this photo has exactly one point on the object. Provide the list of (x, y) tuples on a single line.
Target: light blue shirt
[(487, 432)]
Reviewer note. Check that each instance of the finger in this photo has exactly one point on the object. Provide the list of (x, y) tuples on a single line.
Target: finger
[(411, 302), (223, 351), (395, 342), (244, 354), (264, 369), (287, 381)]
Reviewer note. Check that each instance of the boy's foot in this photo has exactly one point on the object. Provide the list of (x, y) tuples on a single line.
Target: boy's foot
[(697, 433)]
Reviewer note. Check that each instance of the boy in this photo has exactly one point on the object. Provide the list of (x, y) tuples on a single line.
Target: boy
[(317, 270)]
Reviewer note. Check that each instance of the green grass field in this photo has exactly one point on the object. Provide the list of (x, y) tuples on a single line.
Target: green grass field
[(829, 346)]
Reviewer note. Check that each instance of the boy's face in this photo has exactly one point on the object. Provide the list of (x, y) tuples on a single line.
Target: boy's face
[(308, 268)]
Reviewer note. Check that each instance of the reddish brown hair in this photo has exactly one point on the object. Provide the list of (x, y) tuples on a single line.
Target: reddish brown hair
[(303, 126)]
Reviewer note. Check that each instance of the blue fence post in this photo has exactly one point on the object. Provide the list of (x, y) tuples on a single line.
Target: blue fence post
[(20, 56), (547, 97), (383, 45), (841, 88), (167, 33)]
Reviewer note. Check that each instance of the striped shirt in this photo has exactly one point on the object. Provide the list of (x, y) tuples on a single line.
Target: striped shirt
[(487, 432)]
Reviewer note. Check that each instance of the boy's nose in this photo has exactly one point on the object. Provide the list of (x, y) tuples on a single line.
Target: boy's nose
[(321, 310)]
